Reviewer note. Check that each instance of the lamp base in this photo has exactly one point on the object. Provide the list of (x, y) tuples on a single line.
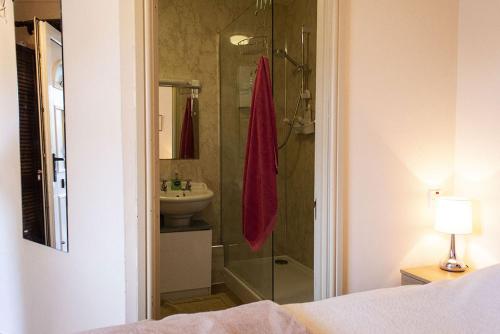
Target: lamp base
[(453, 265)]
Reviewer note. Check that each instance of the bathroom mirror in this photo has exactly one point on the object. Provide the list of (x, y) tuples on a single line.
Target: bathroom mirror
[(40, 73), (178, 123)]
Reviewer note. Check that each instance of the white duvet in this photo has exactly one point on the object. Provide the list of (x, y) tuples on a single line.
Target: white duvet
[(467, 305)]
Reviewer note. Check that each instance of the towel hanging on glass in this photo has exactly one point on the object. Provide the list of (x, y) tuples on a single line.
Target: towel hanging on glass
[(260, 195)]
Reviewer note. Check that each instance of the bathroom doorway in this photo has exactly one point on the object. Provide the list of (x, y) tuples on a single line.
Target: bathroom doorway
[(298, 261)]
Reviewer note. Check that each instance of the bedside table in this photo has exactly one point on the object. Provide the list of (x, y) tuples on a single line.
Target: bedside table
[(427, 274)]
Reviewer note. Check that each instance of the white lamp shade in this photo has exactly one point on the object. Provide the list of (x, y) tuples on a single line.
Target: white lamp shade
[(453, 215)]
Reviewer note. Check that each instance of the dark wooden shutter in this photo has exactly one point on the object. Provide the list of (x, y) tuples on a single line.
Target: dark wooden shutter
[(31, 159)]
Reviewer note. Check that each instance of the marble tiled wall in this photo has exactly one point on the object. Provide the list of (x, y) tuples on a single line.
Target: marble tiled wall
[(188, 49)]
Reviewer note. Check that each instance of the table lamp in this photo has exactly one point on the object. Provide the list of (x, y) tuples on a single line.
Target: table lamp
[(453, 216)]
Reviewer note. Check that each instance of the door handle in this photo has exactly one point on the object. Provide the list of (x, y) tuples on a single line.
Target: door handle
[(54, 160)]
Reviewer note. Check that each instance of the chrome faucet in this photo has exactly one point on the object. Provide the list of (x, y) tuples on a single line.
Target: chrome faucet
[(164, 185), (188, 185)]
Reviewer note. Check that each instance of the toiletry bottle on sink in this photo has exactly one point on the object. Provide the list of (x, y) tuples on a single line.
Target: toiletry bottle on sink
[(176, 183)]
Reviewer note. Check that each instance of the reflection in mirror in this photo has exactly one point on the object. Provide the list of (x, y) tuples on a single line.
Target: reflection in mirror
[(178, 123), (40, 73)]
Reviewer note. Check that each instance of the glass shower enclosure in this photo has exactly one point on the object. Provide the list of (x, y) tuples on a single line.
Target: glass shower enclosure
[(283, 269)]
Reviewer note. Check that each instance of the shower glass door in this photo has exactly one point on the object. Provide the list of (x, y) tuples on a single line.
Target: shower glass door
[(242, 43), (283, 269), (294, 77)]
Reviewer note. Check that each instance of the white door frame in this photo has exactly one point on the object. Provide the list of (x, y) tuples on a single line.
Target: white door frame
[(328, 223), (152, 159), (328, 227)]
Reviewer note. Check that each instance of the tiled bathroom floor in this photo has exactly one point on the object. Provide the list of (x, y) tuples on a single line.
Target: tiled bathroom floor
[(293, 284), (220, 299)]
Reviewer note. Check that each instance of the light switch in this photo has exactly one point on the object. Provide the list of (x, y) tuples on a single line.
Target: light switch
[(432, 196)]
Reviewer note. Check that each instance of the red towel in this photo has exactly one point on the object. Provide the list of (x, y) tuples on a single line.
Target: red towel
[(260, 195), (187, 135)]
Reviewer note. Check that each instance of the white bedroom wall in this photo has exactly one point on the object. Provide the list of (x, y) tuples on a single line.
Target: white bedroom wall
[(477, 125), (42, 290), (134, 144), (398, 79)]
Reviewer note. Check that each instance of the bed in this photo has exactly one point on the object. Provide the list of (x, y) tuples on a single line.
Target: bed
[(470, 304)]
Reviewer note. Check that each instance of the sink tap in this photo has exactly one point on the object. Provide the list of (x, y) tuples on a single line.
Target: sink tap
[(188, 185), (164, 185)]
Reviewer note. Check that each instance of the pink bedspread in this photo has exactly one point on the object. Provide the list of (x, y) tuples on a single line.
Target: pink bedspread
[(263, 317)]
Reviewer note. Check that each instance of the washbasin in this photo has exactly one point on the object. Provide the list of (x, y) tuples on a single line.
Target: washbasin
[(178, 206)]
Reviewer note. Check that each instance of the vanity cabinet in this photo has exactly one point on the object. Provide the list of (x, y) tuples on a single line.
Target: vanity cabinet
[(186, 260)]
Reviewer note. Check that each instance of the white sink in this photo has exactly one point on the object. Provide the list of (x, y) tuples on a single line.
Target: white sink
[(178, 206)]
